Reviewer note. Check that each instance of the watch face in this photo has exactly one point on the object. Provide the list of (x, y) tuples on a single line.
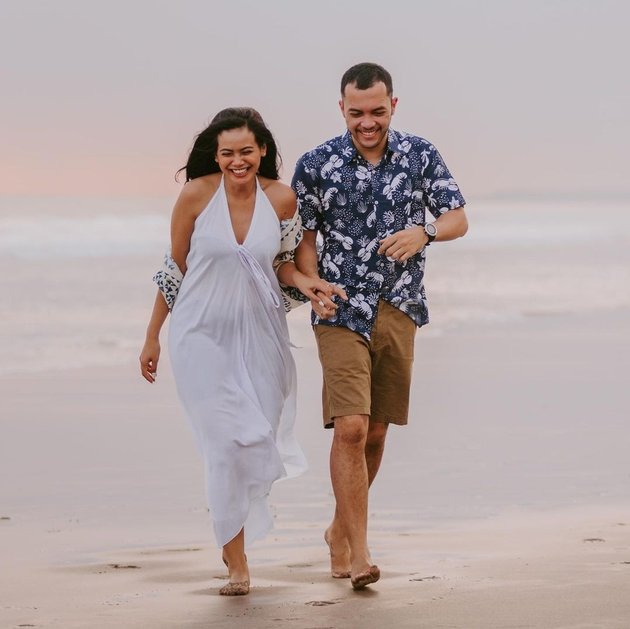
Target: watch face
[(430, 229)]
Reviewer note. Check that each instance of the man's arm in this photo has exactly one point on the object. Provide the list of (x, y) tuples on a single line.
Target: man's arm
[(452, 224), (405, 243)]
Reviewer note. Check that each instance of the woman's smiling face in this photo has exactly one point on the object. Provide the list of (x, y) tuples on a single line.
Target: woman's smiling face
[(238, 154)]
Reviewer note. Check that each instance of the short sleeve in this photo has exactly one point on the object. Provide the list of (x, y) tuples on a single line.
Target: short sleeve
[(305, 185), (439, 189), (290, 238), (169, 279)]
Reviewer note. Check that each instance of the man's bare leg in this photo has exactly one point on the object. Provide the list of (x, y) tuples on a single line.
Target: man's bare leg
[(374, 448), (335, 535), (350, 480)]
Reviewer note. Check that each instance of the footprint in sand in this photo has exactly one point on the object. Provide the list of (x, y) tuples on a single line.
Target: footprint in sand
[(162, 551)]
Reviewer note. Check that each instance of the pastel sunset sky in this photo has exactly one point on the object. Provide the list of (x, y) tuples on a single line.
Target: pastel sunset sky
[(525, 98)]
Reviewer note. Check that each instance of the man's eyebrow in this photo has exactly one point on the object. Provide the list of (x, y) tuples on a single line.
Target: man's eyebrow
[(354, 109)]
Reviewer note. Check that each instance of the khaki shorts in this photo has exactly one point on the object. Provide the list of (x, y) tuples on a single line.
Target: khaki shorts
[(364, 377)]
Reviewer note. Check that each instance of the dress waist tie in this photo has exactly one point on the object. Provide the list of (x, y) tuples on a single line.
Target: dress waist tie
[(256, 271)]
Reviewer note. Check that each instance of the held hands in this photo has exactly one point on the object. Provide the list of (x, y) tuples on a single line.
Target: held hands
[(149, 359), (401, 245), (321, 294)]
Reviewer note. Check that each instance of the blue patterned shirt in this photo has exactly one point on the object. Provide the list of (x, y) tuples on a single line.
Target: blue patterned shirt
[(354, 204)]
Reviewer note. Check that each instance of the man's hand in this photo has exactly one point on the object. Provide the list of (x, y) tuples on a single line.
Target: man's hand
[(324, 306), (401, 245), (321, 293)]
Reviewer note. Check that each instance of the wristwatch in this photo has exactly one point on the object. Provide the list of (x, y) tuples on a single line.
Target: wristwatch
[(431, 231)]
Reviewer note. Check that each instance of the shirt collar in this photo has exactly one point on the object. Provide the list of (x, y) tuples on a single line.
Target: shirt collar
[(349, 152)]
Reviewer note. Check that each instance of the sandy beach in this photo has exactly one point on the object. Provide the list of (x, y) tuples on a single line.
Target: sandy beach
[(504, 504)]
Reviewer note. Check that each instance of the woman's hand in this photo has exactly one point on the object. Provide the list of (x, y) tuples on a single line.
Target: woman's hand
[(321, 294), (149, 359)]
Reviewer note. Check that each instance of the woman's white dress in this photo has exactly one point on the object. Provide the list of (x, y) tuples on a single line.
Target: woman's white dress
[(229, 348)]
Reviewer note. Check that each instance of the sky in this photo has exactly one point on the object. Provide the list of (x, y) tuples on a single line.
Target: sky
[(523, 98)]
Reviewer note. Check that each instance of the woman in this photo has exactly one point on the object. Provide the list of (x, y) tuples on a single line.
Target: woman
[(228, 337)]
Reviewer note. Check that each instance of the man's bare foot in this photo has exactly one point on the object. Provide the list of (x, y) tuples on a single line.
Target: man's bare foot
[(371, 575), (339, 556)]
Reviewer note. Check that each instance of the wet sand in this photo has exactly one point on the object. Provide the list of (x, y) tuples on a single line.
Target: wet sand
[(503, 504)]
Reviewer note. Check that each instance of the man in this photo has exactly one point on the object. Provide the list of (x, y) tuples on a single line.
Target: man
[(367, 192)]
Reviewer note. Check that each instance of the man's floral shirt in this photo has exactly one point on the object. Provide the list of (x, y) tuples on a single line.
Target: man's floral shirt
[(354, 205)]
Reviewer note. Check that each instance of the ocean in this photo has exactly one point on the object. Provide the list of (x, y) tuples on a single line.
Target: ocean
[(77, 289)]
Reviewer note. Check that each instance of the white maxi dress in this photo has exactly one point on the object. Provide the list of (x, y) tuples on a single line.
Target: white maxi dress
[(235, 375)]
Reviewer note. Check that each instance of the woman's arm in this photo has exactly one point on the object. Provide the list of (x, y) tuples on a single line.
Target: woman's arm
[(192, 199), (151, 350), (309, 284), (319, 291)]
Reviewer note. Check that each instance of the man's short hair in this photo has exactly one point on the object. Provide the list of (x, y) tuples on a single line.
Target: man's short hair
[(365, 75)]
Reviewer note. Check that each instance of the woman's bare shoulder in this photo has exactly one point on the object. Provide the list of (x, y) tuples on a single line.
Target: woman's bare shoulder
[(196, 193), (201, 187), (281, 197)]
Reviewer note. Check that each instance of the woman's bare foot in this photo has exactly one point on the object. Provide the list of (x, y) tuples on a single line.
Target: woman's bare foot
[(339, 555), (235, 589), (238, 584)]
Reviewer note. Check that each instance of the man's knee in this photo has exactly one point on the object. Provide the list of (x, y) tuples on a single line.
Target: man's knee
[(377, 431), (351, 430)]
